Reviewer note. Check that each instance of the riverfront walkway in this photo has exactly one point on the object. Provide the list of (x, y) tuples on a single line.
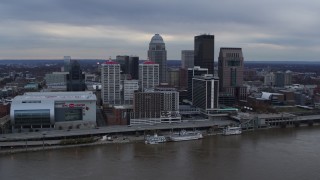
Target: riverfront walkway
[(58, 134)]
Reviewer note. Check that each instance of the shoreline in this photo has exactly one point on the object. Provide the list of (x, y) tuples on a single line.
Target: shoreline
[(120, 139)]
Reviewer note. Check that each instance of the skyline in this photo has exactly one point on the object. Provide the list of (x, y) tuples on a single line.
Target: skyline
[(51, 29)]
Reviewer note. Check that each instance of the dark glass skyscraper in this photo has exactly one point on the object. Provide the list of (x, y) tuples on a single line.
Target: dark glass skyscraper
[(204, 52), (75, 78)]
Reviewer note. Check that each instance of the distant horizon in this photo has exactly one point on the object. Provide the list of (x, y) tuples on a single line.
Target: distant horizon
[(147, 59)]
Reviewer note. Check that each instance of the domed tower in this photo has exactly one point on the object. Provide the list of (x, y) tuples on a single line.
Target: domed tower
[(158, 54)]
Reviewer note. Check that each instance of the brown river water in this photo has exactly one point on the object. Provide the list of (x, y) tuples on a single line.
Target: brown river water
[(292, 153)]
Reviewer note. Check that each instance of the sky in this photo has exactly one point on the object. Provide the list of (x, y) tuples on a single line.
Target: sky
[(286, 30)]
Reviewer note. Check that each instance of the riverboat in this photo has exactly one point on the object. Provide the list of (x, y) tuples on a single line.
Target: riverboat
[(184, 135), (155, 139), (232, 130)]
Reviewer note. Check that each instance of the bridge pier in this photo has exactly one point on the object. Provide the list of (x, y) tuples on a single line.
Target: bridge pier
[(297, 124)]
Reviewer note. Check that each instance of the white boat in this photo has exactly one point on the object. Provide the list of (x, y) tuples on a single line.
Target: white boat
[(155, 139), (184, 135), (232, 130)]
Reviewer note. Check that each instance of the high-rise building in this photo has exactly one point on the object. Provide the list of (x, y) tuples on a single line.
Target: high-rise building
[(279, 79), (230, 71), (230, 67), (173, 77), (124, 63), (66, 63), (269, 79), (187, 59), (204, 52), (129, 66), (195, 71), (75, 78), (148, 75), (157, 53), (129, 87), (288, 78), (110, 79), (205, 92), (134, 67)]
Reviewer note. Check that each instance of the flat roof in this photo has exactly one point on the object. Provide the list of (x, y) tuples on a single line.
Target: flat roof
[(79, 95)]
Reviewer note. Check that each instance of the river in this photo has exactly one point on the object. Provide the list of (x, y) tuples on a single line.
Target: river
[(292, 153)]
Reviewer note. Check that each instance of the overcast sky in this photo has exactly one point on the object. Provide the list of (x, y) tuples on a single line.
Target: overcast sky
[(264, 29)]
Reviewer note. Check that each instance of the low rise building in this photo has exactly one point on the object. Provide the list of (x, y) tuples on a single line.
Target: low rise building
[(47, 110)]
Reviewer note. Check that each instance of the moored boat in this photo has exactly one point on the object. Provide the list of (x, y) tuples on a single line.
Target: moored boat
[(155, 139), (184, 135), (232, 130)]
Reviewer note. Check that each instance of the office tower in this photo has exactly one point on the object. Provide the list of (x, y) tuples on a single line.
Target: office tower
[(288, 78), (173, 77), (269, 79), (134, 67), (124, 63), (204, 52), (195, 71), (129, 66), (129, 87), (158, 54), (66, 63), (75, 78), (110, 79), (183, 79), (230, 63), (148, 75), (187, 59), (230, 67), (279, 79), (205, 91)]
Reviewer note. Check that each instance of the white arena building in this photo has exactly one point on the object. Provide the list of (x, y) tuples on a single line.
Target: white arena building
[(59, 110)]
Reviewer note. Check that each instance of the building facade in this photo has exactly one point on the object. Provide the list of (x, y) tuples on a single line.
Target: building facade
[(58, 110), (148, 75), (129, 87), (230, 71), (205, 92), (156, 106), (75, 78), (204, 52), (110, 79), (187, 59), (230, 67), (157, 53), (195, 71)]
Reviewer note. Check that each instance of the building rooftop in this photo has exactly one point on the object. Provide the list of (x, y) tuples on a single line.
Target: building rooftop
[(156, 39), (84, 95), (149, 62)]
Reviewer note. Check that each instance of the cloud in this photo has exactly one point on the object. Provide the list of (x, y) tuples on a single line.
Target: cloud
[(98, 28)]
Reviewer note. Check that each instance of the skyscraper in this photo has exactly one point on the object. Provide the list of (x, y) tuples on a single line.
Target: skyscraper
[(231, 74), (195, 71), (205, 90), (129, 66), (230, 67), (134, 67), (204, 52), (66, 63), (187, 59), (148, 75), (157, 53), (75, 78), (110, 79)]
